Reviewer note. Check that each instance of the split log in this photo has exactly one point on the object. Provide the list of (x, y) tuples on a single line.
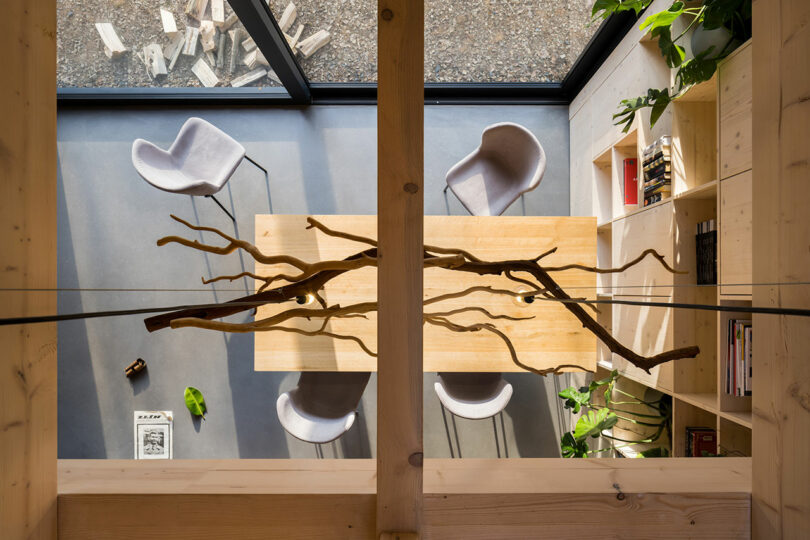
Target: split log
[(309, 46), (190, 46), (172, 52), (153, 58), (293, 40), (208, 33), (288, 17), (230, 21), (204, 72), (273, 77), (249, 77), (255, 58), (169, 24), (113, 47), (211, 58), (218, 11), (196, 8), (249, 44), (221, 52), (235, 36)]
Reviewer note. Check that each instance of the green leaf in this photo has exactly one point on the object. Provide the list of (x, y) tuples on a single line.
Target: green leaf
[(602, 9), (663, 18), (195, 402), (673, 53), (696, 70), (660, 103), (658, 451), (593, 423), (571, 448), (596, 384), (575, 399), (720, 12)]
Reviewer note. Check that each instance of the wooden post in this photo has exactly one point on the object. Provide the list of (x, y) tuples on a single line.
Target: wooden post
[(781, 235), (400, 209), (28, 261)]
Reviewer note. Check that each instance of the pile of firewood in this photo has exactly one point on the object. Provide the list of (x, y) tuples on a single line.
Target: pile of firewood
[(213, 29)]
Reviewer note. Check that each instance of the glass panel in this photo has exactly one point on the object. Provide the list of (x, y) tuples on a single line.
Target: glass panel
[(150, 30), (504, 40), (350, 55), (471, 41)]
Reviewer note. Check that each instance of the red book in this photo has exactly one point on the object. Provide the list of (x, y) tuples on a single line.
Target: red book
[(630, 181)]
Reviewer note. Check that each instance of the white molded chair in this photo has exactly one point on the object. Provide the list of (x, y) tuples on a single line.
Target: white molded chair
[(509, 162), (323, 406), (200, 161), (475, 396)]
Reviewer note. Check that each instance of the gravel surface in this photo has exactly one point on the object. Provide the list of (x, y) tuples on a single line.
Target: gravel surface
[(465, 41)]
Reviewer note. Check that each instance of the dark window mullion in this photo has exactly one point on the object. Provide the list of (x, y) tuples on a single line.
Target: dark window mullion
[(262, 27)]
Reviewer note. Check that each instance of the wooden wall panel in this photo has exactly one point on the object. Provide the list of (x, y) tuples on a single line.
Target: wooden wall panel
[(213, 517), (735, 112), (400, 210), (734, 263), (781, 236), (28, 261), (645, 515), (469, 498)]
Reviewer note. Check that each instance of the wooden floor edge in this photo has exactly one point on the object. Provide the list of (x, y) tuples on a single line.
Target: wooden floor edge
[(441, 476)]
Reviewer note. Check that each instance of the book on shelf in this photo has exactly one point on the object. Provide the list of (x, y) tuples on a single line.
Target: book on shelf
[(657, 167), (706, 252), (701, 441), (630, 187), (738, 366)]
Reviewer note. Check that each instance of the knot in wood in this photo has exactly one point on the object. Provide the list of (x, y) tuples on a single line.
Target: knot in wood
[(416, 459), (387, 14), (410, 187)]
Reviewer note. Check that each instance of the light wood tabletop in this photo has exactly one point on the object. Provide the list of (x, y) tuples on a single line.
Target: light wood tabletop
[(552, 337)]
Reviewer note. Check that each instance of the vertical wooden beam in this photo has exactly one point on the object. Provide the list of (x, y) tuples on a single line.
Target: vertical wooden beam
[(781, 237), (400, 209), (28, 261)]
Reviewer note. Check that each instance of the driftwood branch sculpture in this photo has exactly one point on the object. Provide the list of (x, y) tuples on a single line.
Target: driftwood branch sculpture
[(313, 277)]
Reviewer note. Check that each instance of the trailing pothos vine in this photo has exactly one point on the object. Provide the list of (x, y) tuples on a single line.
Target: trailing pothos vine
[(730, 20), (597, 418)]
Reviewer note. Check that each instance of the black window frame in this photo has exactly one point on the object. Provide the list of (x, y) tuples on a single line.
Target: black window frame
[(297, 90)]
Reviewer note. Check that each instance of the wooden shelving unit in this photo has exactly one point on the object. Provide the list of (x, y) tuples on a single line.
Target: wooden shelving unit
[(711, 162)]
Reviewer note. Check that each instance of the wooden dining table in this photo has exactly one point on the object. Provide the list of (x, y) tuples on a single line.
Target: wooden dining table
[(550, 337)]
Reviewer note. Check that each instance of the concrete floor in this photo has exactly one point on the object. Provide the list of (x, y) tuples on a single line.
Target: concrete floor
[(322, 160)]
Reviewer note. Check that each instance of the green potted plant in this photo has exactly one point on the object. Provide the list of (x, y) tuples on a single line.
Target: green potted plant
[(600, 416), (718, 28)]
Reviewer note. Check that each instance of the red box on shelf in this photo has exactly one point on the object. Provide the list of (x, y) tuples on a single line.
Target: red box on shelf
[(631, 181)]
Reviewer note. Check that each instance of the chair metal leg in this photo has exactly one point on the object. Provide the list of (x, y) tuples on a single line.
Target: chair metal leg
[(455, 430), (447, 430), (503, 432), (445, 188), (247, 157), (318, 451), (495, 430), (220, 205)]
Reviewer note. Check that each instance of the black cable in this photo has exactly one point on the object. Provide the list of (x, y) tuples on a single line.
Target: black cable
[(671, 305)]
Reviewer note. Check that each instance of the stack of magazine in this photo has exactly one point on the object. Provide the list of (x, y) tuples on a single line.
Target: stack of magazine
[(657, 163), (738, 367)]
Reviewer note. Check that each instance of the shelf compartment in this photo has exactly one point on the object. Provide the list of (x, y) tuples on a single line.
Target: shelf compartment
[(734, 439), (687, 415), (735, 408), (706, 191)]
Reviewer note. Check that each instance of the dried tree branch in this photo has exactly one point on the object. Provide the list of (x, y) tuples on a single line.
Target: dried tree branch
[(460, 261), (622, 268)]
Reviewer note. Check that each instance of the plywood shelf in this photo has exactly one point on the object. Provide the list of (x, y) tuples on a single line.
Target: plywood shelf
[(705, 91), (707, 191), (742, 418)]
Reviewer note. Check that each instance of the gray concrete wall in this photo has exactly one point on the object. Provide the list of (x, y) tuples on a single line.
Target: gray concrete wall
[(322, 160)]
